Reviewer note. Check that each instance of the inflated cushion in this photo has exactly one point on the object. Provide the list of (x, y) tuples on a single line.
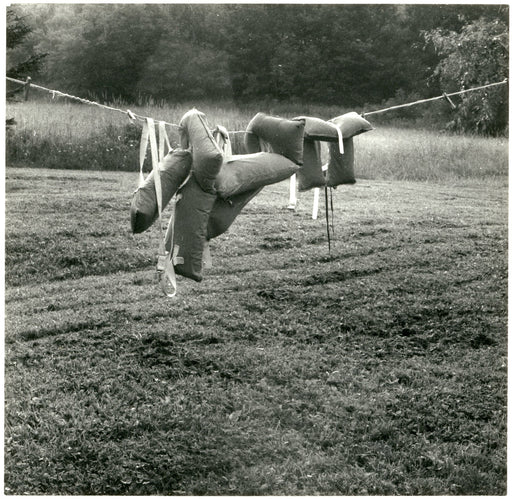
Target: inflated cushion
[(225, 211), (190, 224), (207, 156), (144, 209), (246, 172), (318, 129), (310, 174), (284, 136), (351, 124), (341, 166)]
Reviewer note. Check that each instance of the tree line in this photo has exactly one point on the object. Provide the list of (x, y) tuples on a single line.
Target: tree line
[(350, 55)]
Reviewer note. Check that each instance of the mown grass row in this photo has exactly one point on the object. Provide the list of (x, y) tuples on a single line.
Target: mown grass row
[(378, 368), (59, 135)]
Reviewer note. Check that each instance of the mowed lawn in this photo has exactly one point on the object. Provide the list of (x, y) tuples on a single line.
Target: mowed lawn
[(377, 368)]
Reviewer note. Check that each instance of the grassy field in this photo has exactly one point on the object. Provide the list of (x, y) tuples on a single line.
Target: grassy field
[(377, 368)]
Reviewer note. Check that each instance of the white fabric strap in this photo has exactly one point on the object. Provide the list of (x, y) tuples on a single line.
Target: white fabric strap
[(177, 260), (169, 235), (167, 275), (142, 151), (316, 197), (156, 171), (163, 140), (340, 138), (222, 138), (207, 257), (210, 135), (164, 266)]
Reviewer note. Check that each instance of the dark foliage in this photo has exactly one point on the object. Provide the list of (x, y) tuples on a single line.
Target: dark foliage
[(338, 54), (17, 30)]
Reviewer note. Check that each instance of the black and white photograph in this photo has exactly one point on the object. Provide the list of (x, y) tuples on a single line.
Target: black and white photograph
[(255, 249)]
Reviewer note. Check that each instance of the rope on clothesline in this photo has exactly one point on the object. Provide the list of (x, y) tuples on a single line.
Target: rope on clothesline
[(444, 96), (129, 113), (134, 116), (58, 93)]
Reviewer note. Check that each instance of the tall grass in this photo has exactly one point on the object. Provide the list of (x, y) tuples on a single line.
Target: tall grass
[(58, 134), (399, 154)]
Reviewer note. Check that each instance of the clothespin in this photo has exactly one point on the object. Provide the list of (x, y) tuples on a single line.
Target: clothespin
[(130, 115), (452, 105)]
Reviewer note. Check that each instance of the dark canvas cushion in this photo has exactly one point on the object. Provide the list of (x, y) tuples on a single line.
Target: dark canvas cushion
[(284, 136), (190, 224), (341, 166), (351, 124), (144, 209), (310, 175), (318, 129), (207, 157), (225, 211), (247, 172)]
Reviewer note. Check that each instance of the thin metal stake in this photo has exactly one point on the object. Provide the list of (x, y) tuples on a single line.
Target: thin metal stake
[(332, 211), (327, 219)]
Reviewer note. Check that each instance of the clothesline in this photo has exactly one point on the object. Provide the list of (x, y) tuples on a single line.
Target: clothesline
[(129, 113), (134, 116), (444, 96)]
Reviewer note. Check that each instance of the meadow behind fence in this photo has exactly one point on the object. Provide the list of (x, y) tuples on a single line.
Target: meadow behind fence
[(54, 134), (379, 367)]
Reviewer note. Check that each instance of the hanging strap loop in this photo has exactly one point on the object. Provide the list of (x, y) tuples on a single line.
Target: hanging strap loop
[(156, 169), (163, 140), (164, 266), (340, 138), (221, 136), (142, 151)]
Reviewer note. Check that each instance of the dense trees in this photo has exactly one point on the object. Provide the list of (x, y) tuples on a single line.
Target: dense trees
[(477, 55), (344, 54), (23, 60)]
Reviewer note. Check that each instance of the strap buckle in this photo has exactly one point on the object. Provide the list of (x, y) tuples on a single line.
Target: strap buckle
[(165, 275)]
